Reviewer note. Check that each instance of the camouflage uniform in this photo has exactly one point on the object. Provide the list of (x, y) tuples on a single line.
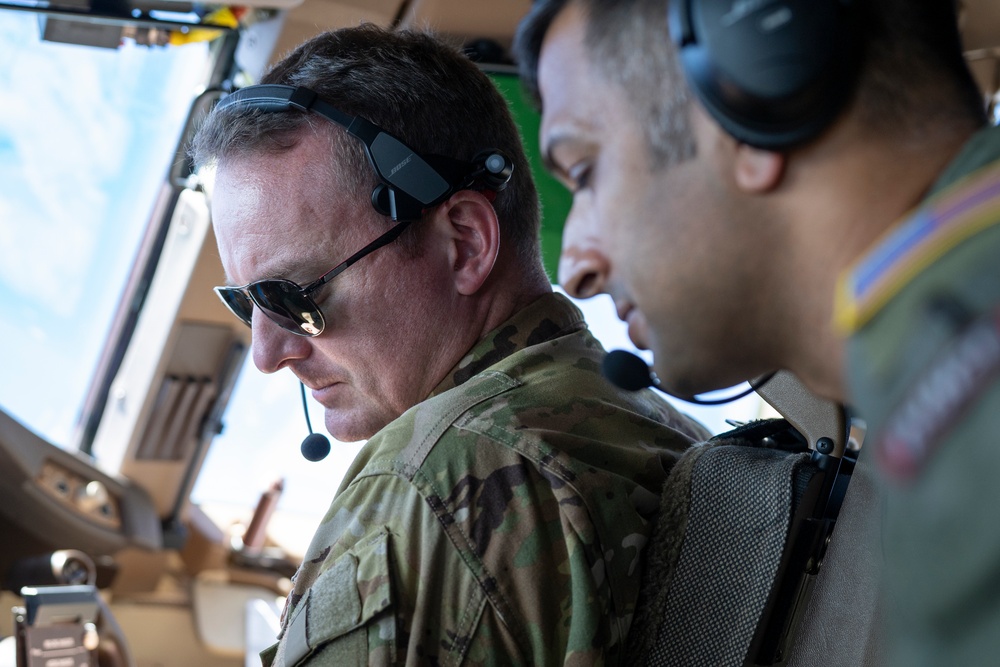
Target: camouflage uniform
[(499, 522), (923, 366)]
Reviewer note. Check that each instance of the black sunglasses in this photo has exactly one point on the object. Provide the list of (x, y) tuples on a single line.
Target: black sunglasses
[(286, 303)]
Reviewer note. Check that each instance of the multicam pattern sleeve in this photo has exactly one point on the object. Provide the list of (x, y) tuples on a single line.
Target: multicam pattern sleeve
[(500, 522)]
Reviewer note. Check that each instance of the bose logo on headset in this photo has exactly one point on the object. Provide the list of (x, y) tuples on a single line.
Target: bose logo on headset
[(740, 9), (772, 73), (401, 165)]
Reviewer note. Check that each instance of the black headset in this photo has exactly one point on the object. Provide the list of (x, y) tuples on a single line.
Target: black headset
[(411, 182), (773, 73)]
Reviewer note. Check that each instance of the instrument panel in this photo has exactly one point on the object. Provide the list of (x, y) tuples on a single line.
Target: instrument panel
[(89, 498), (52, 499)]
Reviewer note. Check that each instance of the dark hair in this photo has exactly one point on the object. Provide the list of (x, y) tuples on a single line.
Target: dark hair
[(914, 75), (627, 41), (412, 85)]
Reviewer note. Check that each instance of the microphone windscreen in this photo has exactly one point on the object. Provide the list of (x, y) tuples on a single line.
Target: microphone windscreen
[(315, 447), (626, 370)]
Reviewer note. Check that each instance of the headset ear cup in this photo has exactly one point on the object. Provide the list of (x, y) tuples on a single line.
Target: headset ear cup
[(380, 199), (493, 169), (772, 73)]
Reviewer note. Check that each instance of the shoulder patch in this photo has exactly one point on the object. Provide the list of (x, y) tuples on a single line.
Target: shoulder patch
[(939, 398), (958, 213)]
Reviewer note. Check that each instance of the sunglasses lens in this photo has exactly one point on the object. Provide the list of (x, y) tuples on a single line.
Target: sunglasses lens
[(283, 302), (237, 302)]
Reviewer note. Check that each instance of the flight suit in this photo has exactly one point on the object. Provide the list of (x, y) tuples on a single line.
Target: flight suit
[(923, 312), (499, 522)]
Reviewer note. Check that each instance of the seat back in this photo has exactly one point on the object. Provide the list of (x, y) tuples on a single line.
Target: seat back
[(744, 525), (842, 624), (732, 518)]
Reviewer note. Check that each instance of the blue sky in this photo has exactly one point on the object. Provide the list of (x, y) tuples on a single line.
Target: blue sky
[(86, 135)]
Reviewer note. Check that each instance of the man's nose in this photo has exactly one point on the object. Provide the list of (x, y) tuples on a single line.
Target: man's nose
[(583, 266), (273, 347)]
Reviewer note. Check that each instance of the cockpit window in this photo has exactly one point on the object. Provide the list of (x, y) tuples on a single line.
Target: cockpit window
[(86, 138)]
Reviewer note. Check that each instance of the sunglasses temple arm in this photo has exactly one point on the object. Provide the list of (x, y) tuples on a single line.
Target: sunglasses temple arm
[(385, 239)]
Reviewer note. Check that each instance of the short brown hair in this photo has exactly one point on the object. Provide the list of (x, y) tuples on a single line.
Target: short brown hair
[(628, 42), (411, 84)]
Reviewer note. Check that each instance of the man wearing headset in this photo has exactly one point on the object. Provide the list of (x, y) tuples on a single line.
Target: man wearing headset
[(807, 185), (498, 510)]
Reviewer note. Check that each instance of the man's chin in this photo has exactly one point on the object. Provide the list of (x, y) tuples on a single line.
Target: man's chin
[(689, 385), (347, 428), (681, 382)]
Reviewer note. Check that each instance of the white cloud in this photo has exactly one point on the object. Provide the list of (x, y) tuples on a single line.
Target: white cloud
[(58, 203), (82, 144), (85, 135)]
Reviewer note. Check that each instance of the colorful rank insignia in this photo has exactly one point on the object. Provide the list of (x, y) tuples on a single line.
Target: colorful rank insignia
[(964, 209), (938, 400)]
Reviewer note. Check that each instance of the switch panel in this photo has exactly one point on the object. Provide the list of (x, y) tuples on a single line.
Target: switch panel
[(87, 497)]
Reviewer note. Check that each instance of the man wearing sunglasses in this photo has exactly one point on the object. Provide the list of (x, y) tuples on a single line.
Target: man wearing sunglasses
[(377, 220)]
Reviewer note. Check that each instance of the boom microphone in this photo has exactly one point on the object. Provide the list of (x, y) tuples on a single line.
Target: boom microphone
[(316, 446), (629, 372)]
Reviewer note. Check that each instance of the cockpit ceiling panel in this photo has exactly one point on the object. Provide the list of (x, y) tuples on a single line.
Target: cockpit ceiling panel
[(468, 18), (328, 14)]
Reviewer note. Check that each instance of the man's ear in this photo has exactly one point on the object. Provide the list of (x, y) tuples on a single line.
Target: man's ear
[(473, 234), (753, 170), (757, 171)]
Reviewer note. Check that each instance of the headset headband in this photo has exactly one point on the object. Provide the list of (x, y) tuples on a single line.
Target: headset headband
[(410, 182)]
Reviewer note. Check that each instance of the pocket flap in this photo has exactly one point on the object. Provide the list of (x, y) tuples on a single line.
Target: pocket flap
[(353, 590)]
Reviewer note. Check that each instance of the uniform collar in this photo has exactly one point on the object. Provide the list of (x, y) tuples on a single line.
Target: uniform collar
[(962, 202), (546, 318)]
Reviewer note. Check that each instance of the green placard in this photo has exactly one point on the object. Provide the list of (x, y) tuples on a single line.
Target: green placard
[(555, 198)]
